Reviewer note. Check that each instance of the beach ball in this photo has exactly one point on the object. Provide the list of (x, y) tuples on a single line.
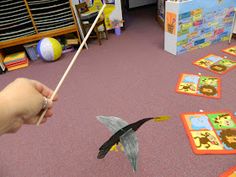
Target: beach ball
[(49, 49)]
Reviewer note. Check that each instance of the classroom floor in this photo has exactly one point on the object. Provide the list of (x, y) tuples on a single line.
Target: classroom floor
[(130, 77)]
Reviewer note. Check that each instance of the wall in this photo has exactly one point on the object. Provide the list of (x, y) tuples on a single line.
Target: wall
[(137, 3)]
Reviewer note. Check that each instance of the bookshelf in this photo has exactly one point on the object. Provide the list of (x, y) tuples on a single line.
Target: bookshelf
[(25, 21), (161, 12), (195, 24)]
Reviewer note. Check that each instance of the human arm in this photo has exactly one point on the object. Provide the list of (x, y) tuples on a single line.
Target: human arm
[(21, 102)]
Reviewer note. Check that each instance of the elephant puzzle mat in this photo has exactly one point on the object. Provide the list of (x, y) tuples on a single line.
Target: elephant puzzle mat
[(229, 173), (216, 64), (230, 50), (211, 132), (198, 85)]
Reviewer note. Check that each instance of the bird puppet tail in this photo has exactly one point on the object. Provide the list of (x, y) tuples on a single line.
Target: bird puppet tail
[(161, 118)]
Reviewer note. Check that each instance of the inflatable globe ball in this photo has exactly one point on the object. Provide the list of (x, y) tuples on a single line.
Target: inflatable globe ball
[(49, 49)]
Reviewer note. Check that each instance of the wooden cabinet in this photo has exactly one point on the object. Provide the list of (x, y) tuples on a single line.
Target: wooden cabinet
[(24, 21), (161, 12)]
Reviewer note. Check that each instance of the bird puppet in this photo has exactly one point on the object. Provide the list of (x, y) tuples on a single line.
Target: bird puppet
[(124, 133)]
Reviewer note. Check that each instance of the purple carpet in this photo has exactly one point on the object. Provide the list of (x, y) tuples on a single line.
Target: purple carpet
[(130, 77)]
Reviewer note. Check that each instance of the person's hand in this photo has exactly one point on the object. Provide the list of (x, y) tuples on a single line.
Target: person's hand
[(23, 101)]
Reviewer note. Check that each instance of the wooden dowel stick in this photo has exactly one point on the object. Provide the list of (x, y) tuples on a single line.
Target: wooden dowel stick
[(72, 62)]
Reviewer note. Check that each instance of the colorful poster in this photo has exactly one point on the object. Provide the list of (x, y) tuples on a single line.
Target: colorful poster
[(216, 64), (199, 85), (201, 23), (170, 23), (230, 50), (211, 132)]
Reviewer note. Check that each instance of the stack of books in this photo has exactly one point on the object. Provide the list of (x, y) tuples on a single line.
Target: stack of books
[(71, 39), (16, 61)]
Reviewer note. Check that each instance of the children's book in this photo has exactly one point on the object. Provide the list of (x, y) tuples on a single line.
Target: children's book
[(15, 57), (18, 66), (230, 50), (216, 64), (198, 85), (229, 173), (211, 132), (16, 61)]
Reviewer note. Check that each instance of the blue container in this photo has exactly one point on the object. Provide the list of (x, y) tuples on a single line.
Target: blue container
[(117, 31), (32, 51)]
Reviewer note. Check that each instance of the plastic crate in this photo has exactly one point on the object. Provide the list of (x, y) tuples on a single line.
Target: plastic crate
[(31, 50)]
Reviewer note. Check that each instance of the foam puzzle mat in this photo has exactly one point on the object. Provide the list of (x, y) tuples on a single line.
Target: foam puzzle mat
[(230, 50), (198, 85), (216, 64), (211, 132), (229, 173)]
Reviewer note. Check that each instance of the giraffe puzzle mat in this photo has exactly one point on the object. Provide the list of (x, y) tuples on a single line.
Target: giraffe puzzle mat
[(216, 64), (211, 132), (229, 173), (230, 50), (199, 85)]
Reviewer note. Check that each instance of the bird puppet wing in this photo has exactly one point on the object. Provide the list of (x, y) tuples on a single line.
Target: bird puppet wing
[(125, 134), (128, 140), (112, 123), (130, 143)]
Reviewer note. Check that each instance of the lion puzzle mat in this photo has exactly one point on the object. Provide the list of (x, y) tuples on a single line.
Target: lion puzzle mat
[(211, 132), (230, 50), (216, 64), (198, 85), (229, 173)]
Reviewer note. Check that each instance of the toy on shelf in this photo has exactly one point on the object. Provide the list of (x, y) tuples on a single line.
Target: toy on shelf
[(116, 24), (49, 49), (230, 50), (16, 61), (199, 85), (216, 64), (211, 132)]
